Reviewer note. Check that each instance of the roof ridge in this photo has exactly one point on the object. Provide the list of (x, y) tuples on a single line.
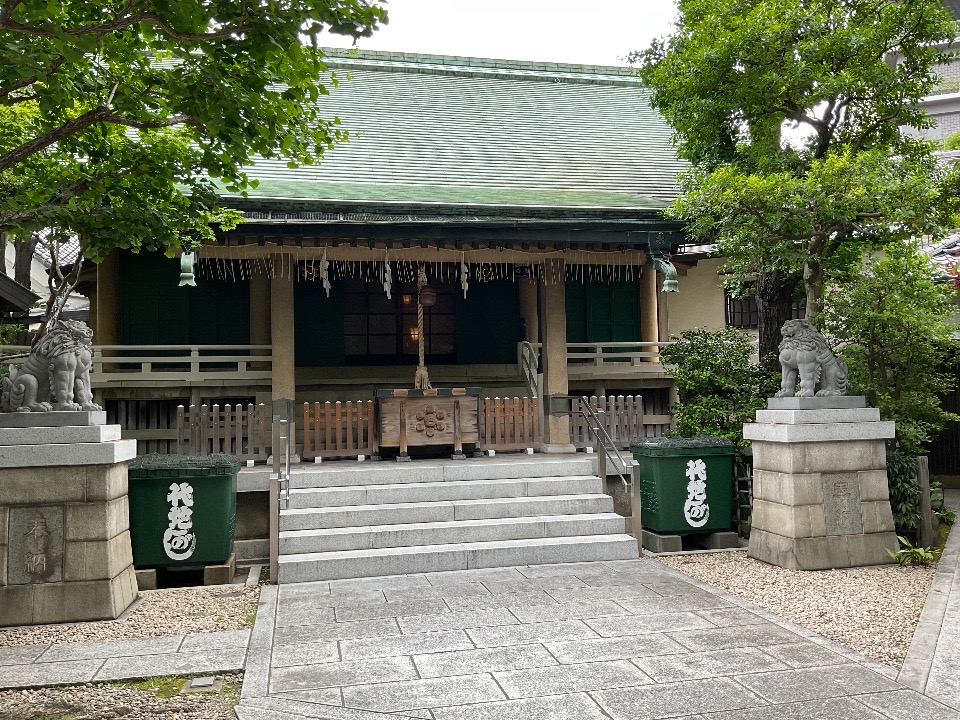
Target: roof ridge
[(477, 66)]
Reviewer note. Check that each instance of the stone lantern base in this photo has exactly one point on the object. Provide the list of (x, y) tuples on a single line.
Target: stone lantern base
[(64, 522), (820, 484)]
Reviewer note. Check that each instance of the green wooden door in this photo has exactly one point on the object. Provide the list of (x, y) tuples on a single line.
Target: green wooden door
[(155, 310), (318, 324), (603, 312), (488, 323)]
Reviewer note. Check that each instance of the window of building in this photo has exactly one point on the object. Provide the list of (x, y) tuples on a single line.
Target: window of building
[(382, 330), (742, 312)]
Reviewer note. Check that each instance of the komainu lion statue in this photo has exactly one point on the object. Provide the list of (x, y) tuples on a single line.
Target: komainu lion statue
[(57, 369), (804, 352)]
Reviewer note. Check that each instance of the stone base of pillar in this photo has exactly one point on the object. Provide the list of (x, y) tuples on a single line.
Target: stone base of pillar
[(820, 484), (558, 448), (65, 551)]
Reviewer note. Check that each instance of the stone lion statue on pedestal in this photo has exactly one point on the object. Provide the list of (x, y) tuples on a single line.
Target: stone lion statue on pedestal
[(57, 369), (804, 352)]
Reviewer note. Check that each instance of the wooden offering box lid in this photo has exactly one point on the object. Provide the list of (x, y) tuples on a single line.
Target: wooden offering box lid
[(434, 392)]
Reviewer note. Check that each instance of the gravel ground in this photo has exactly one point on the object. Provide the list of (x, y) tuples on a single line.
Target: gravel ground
[(131, 701), (176, 611), (873, 610)]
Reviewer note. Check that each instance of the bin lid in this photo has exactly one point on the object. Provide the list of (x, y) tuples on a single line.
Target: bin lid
[(698, 444), (157, 464)]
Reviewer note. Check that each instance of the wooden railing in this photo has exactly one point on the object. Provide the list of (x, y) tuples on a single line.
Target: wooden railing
[(241, 431), (509, 424), (339, 430), (597, 359), (165, 365), (622, 416)]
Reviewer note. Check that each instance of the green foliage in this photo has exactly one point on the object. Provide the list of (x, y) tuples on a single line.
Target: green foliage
[(893, 319), (904, 491), (952, 142), (120, 121), (791, 116), (719, 388), (910, 555)]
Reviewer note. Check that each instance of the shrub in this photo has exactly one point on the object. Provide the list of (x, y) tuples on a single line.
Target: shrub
[(719, 387), (904, 491)]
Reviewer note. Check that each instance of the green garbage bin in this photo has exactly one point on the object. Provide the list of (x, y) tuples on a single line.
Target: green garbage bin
[(183, 509), (686, 484)]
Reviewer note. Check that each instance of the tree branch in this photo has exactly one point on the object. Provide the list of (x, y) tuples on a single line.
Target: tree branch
[(41, 142), (124, 19), (28, 81)]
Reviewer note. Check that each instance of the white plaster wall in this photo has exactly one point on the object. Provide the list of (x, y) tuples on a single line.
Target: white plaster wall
[(700, 302)]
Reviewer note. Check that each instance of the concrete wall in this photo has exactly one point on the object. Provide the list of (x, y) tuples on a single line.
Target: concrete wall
[(700, 302)]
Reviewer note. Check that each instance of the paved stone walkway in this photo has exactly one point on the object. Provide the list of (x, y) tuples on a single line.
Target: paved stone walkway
[(627, 640), (72, 663), (933, 661)]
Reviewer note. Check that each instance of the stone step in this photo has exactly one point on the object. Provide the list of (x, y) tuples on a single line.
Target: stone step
[(439, 491), (333, 474), (310, 567), (402, 513), (449, 532)]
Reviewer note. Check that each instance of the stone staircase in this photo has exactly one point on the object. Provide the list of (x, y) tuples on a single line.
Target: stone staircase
[(371, 519)]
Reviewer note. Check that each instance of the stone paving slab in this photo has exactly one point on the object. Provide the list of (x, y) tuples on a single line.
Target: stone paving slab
[(563, 707), (570, 678), (181, 663), (457, 620), (470, 662), (672, 699), (696, 666), (423, 694), (70, 663), (305, 654)]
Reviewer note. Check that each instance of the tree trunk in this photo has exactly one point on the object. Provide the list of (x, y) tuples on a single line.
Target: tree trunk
[(24, 247), (813, 287), (3, 253), (774, 305)]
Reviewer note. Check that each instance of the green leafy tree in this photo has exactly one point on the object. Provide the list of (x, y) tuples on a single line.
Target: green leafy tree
[(791, 116), (892, 316), (118, 118), (719, 387)]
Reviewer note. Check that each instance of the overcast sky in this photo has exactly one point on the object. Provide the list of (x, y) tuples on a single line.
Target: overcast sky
[(591, 32)]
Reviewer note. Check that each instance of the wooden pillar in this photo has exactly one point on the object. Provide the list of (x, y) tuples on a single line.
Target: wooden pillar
[(105, 303), (259, 311), (553, 313), (649, 308), (281, 330), (528, 308)]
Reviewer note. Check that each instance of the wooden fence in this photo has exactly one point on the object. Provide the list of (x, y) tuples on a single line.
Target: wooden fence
[(623, 417), (339, 430), (238, 430), (509, 424)]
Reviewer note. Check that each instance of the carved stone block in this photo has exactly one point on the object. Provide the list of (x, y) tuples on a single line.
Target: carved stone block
[(841, 504), (35, 552)]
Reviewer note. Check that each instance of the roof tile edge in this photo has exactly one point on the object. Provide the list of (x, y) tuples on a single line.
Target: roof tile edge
[(347, 59)]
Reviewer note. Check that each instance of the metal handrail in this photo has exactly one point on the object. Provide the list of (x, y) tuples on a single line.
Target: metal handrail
[(603, 437), (282, 447)]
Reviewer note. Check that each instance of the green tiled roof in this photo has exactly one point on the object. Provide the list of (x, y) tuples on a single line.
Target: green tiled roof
[(469, 132)]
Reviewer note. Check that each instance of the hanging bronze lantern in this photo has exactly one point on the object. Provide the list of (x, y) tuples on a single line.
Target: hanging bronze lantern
[(427, 297)]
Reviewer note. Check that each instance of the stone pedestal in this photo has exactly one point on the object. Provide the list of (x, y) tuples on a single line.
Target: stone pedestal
[(64, 522), (820, 484)]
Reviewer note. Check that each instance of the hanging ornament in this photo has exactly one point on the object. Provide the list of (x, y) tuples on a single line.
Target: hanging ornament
[(325, 272), (387, 276), (464, 275), (187, 260)]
